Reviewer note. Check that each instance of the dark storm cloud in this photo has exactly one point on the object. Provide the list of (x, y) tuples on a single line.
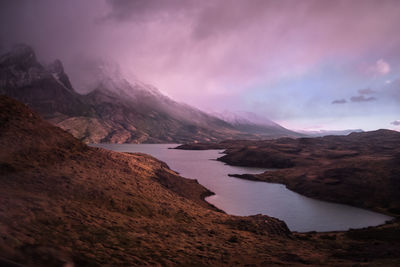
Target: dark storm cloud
[(396, 122), (221, 54), (206, 18), (362, 98), (145, 10), (54, 28), (339, 101), (214, 18)]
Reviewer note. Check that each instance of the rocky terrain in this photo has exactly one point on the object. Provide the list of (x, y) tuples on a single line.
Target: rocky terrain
[(115, 110), (63, 203), (360, 169)]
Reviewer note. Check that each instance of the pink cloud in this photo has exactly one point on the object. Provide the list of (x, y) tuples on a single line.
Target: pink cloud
[(212, 53), (381, 67)]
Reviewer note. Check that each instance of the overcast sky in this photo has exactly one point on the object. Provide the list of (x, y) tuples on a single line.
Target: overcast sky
[(304, 64)]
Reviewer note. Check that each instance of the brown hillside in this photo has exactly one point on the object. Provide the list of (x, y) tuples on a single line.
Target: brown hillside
[(63, 202)]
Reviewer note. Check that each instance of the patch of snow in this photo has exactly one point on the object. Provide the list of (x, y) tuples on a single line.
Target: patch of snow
[(57, 78)]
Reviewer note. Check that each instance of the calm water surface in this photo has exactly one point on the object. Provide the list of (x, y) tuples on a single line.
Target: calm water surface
[(241, 197)]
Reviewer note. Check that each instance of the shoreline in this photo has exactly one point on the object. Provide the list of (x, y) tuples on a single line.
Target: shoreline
[(253, 177)]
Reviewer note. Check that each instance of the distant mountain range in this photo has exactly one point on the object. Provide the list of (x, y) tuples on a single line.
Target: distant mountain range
[(318, 133), (251, 123), (116, 110)]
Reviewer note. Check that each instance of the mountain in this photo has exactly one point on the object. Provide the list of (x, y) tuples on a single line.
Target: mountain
[(63, 203), (320, 133), (255, 124), (46, 89), (115, 110)]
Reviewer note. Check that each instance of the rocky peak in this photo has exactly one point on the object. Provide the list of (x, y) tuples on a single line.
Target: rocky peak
[(244, 117), (21, 56), (56, 67), (57, 70), (19, 68)]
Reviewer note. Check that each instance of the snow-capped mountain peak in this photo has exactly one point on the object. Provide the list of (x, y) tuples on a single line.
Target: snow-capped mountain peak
[(244, 117)]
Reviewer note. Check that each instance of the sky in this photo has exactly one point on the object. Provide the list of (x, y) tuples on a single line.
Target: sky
[(306, 64)]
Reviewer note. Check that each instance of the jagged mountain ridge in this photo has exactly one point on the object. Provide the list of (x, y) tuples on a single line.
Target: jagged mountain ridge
[(116, 110), (48, 90)]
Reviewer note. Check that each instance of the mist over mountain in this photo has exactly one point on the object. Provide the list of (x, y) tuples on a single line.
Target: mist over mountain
[(253, 123), (46, 88), (114, 109), (168, 80)]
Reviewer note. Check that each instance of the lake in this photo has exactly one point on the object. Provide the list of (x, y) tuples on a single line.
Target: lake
[(242, 197)]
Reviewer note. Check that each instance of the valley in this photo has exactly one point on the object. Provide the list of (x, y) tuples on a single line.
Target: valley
[(199, 133), (63, 202)]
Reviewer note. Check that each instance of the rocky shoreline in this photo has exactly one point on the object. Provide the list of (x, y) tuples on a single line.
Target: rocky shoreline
[(361, 169)]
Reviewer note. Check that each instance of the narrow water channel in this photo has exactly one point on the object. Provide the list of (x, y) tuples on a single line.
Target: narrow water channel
[(241, 197)]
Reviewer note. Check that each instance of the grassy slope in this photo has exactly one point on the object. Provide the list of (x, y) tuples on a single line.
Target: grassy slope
[(61, 201)]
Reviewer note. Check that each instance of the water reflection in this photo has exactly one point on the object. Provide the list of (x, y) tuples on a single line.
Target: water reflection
[(241, 197)]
